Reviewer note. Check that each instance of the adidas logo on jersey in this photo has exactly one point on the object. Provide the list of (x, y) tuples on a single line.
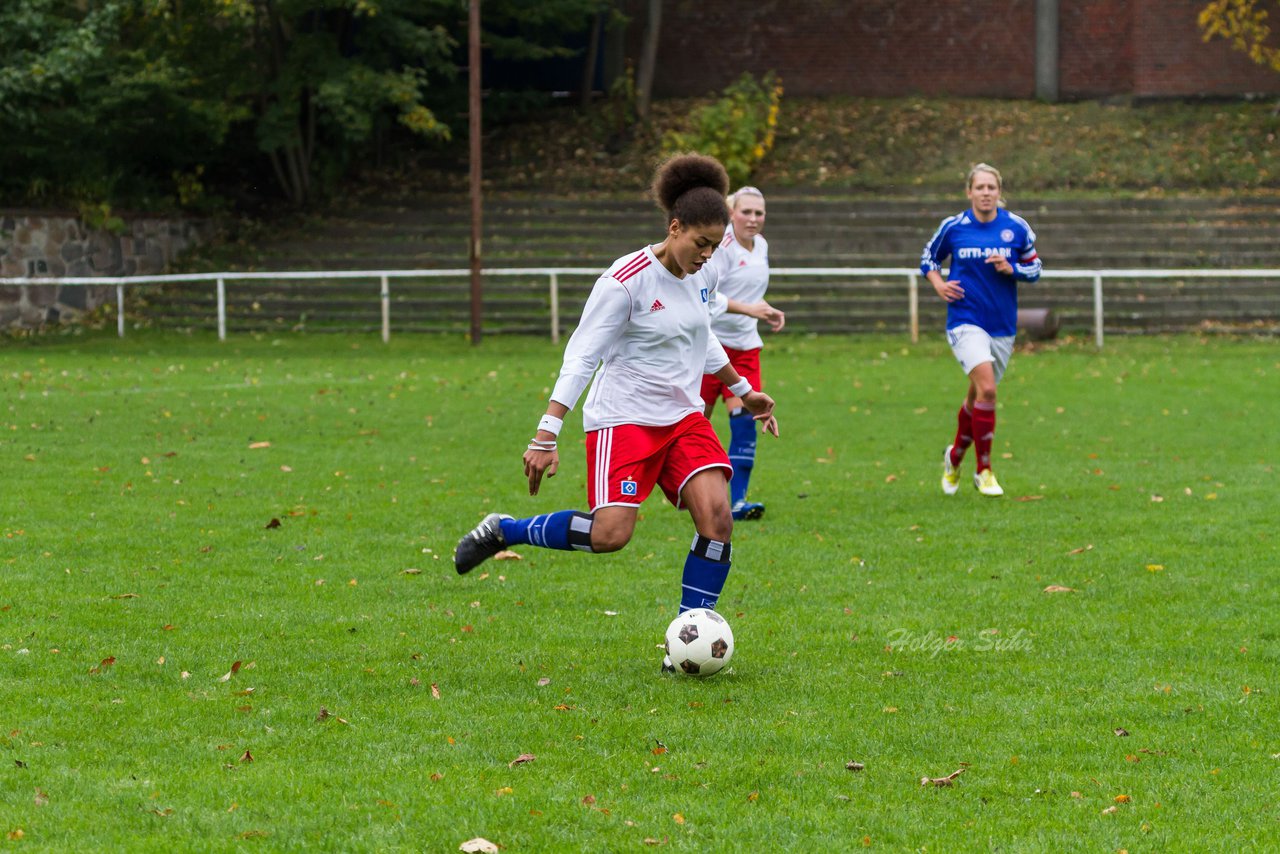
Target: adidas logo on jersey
[(742, 263), (657, 306)]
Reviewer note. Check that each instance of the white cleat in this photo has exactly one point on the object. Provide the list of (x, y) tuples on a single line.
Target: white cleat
[(950, 474), (986, 483)]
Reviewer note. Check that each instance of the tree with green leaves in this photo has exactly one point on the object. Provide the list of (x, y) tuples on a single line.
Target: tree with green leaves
[(326, 73), (94, 102), (142, 100)]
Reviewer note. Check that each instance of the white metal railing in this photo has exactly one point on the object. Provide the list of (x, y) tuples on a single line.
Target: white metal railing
[(911, 276)]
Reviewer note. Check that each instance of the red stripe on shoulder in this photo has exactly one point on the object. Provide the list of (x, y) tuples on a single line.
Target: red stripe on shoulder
[(728, 238), (629, 269)]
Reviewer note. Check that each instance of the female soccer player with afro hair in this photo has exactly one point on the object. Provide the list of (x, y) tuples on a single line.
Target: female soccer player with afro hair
[(645, 336)]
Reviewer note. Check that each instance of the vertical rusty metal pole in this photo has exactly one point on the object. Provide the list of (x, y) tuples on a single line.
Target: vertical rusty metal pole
[(473, 61)]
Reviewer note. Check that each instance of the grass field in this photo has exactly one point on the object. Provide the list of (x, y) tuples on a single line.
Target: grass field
[(229, 619)]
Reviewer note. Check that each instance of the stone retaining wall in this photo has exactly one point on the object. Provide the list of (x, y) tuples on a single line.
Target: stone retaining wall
[(36, 245)]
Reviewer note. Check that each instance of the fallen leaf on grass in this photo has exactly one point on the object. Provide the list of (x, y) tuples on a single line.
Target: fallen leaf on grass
[(521, 760), (246, 757), (253, 446), (941, 781), (413, 570), (126, 596), (1121, 731), (1155, 567), (1122, 799), (1029, 498), (589, 800), (274, 523), (106, 663), (42, 798), (1087, 548), (479, 845), (507, 554), (435, 691), (235, 668), (854, 766), (1058, 588), (1109, 810)]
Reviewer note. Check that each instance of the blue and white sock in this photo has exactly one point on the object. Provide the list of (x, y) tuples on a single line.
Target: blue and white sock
[(742, 452), (705, 570), (566, 530)]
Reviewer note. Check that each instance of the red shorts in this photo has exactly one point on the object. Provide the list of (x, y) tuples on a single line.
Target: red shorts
[(625, 462), (746, 363)]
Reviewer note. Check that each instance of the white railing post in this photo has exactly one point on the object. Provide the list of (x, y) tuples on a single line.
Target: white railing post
[(386, 311), (1097, 310), (222, 309), (120, 310), (555, 308), (913, 303)]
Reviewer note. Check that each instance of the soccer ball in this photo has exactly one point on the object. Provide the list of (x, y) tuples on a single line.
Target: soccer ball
[(699, 642)]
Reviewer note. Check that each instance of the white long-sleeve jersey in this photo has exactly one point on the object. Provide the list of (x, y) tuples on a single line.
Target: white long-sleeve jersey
[(743, 276), (650, 335)]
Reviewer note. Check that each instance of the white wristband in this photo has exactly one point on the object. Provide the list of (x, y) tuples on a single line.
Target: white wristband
[(741, 388), (551, 424)]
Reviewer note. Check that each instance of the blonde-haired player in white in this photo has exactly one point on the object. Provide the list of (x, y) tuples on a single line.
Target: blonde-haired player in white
[(645, 336), (743, 264)]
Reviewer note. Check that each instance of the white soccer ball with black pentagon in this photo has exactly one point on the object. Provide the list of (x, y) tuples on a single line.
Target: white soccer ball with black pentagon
[(699, 642)]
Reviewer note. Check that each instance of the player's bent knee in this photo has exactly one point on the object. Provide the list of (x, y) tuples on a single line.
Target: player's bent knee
[(609, 541), (716, 526)]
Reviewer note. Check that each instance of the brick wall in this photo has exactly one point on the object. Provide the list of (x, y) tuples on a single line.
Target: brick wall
[(1170, 58), (1095, 51), (986, 48)]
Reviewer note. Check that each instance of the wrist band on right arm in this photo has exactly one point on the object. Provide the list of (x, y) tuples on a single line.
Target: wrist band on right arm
[(551, 424), (741, 388)]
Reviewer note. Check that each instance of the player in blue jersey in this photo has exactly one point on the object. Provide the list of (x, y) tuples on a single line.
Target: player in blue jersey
[(991, 250)]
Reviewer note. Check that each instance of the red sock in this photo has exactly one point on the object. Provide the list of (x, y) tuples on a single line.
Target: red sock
[(964, 434), (984, 431)]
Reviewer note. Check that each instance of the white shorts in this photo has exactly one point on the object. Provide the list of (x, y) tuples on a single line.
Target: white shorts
[(973, 346)]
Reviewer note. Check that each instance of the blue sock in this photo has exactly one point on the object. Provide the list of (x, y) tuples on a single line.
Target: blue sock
[(565, 530), (705, 570), (742, 453)]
